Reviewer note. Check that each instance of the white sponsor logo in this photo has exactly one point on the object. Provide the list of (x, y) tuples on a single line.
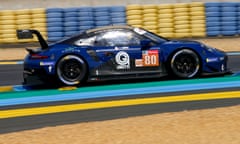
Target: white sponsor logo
[(123, 60)]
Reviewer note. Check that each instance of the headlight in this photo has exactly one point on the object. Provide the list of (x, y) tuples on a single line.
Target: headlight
[(210, 49)]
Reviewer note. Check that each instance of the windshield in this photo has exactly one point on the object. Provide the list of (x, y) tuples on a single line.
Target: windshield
[(155, 37), (150, 35)]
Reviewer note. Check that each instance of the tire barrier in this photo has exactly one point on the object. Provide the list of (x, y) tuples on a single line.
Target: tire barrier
[(55, 24), (85, 18), (196, 19), (70, 21), (222, 19), (118, 15)]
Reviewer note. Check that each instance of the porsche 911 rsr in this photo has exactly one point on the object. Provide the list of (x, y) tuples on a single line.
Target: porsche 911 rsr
[(118, 52)]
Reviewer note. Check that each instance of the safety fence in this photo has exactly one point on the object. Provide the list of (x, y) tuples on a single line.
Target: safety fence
[(180, 20)]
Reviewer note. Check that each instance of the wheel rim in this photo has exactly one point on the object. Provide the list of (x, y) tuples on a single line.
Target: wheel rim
[(185, 64), (71, 70)]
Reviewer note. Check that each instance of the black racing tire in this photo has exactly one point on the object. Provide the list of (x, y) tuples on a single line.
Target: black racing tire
[(185, 64), (71, 70)]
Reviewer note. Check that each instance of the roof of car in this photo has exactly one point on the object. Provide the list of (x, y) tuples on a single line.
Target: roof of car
[(109, 27)]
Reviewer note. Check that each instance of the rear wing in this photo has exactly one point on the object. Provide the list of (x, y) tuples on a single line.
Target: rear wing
[(28, 34)]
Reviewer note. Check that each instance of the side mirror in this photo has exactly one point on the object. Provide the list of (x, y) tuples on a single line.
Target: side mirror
[(24, 34), (145, 43)]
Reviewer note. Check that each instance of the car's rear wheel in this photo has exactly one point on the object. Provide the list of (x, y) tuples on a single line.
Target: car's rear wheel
[(71, 70), (185, 63)]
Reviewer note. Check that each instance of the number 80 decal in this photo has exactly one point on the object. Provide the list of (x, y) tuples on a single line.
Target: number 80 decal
[(150, 58)]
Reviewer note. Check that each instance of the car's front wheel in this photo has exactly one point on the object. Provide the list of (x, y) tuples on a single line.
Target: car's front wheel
[(71, 70), (185, 63)]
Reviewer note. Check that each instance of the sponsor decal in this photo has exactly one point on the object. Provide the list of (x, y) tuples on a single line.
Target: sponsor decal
[(150, 58), (46, 63), (123, 60), (121, 48), (211, 60), (138, 63), (70, 49)]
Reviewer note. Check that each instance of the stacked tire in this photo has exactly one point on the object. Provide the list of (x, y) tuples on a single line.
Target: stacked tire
[(55, 24), (85, 18), (213, 18), (197, 19), (181, 20), (165, 20), (150, 18), (229, 23), (39, 21), (118, 15), (102, 16), (134, 15), (8, 26), (70, 21)]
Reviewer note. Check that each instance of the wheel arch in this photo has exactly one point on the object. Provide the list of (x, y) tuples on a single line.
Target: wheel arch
[(168, 62), (77, 55)]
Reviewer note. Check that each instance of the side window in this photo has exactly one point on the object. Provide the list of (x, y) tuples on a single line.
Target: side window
[(117, 38), (86, 41)]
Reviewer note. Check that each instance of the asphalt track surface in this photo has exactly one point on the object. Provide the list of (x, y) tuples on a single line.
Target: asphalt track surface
[(12, 75)]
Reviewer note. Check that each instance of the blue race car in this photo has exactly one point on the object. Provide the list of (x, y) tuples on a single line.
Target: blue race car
[(118, 52)]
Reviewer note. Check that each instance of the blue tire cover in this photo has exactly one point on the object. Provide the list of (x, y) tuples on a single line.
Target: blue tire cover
[(118, 14), (228, 18), (86, 23), (70, 14), (84, 14), (229, 4), (213, 19), (229, 28), (55, 34), (71, 10), (213, 14), (118, 20), (212, 4), (229, 33), (85, 9), (54, 15), (54, 24), (85, 18), (53, 39), (212, 9), (50, 10), (70, 24), (85, 27), (216, 28), (54, 19), (229, 23), (213, 33), (122, 24), (99, 14), (102, 23), (54, 29), (101, 9), (212, 24), (71, 28), (228, 14), (70, 33), (102, 18), (117, 9), (70, 19), (229, 9)]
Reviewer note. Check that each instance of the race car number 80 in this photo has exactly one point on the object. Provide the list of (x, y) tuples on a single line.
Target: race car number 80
[(150, 58)]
